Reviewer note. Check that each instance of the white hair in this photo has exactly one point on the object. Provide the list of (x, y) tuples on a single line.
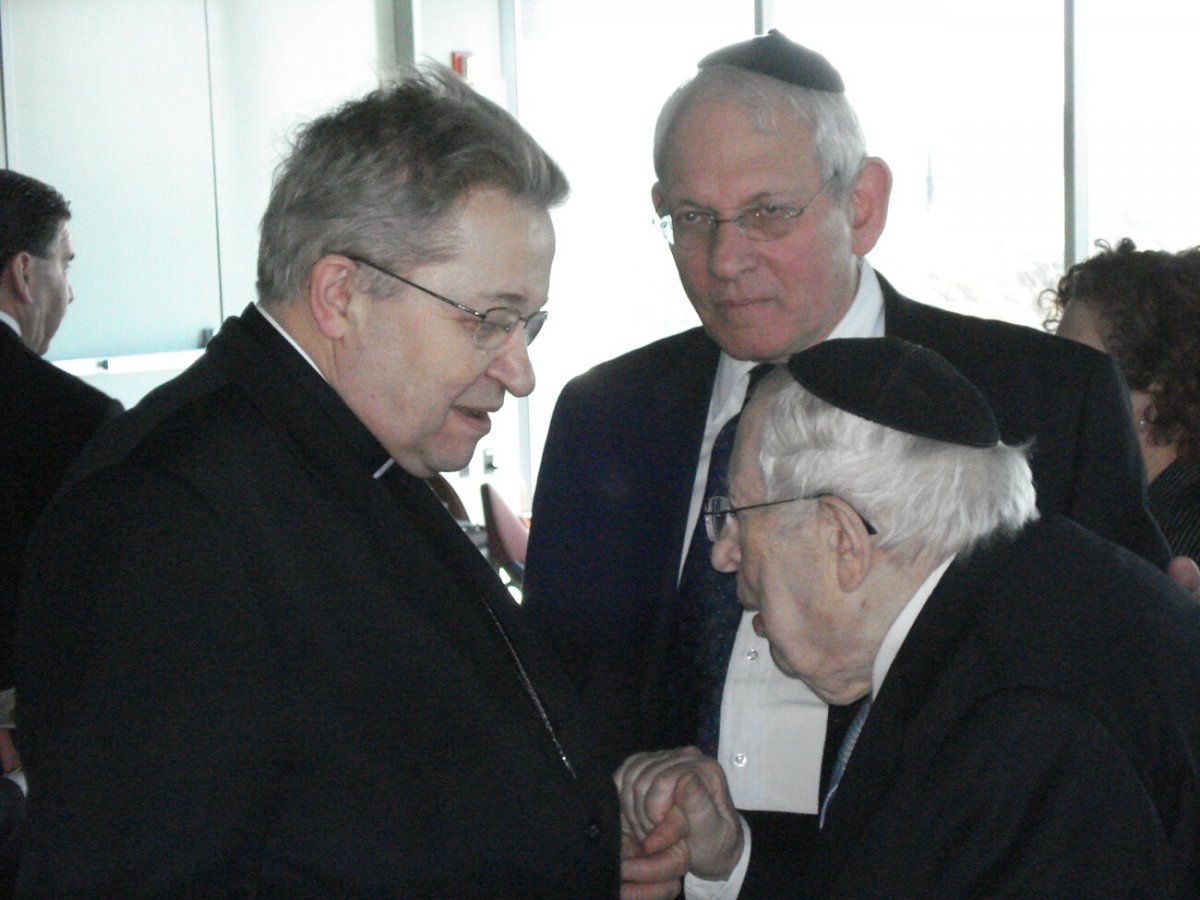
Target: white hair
[(837, 138), (926, 498)]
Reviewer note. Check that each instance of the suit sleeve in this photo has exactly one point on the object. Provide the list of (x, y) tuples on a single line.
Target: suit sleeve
[(1109, 483), (146, 695)]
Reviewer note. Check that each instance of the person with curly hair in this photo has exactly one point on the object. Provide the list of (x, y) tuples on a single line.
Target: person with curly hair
[(1143, 308)]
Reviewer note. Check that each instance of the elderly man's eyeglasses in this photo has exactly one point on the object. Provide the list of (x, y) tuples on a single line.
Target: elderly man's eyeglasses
[(693, 229), (720, 514), (494, 325)]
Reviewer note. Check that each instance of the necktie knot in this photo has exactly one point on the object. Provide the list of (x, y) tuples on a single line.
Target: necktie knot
[(757, 374)]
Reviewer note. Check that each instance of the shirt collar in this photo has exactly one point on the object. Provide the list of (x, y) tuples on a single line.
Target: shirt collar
[(262, 311), (894, 639), (10, 322), (864, 318), (381, 470)]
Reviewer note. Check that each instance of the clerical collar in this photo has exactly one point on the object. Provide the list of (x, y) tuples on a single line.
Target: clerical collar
[(287, 337), (10, 322)]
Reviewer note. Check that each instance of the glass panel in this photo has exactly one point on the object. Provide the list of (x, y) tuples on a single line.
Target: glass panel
[(108, 102), (1139, 69), (965, 103), (275, 64), (591, 82)]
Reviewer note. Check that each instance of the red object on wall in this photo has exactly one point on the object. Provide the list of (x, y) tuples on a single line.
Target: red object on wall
[(460, 62)]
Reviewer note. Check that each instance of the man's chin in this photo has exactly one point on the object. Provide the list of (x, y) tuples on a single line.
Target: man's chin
[(759, 346), (437, 460)]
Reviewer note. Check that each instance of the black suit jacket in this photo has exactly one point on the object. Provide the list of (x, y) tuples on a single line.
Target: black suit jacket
[(612, 498), (249, 666), (1038, 735), (47, 415)]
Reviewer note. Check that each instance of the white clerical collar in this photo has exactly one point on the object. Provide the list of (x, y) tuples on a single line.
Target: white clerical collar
[(863, 319), (10, 322), (287, 337), (896, 635)]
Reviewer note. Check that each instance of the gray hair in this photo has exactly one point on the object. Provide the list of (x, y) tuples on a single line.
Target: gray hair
[(837, 138), (927, 498), (380, 176)]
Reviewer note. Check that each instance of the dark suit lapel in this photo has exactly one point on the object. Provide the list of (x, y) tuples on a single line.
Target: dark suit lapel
[(679, 407), (681, 401), (901, 316)]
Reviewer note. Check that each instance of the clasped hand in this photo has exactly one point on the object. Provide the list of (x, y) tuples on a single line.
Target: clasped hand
[(676, 817)]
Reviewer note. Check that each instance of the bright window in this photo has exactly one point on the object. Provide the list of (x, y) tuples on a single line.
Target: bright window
[(965, 103), (1138, 72)]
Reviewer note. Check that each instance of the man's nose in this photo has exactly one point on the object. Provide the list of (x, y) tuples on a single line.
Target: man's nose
[(730, 252), (726, 555), (512, 366)]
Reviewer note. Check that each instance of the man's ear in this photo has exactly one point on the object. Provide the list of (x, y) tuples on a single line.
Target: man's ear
[(658, 198), (18, 277), (849, 540), (331, 295), (869, 204)]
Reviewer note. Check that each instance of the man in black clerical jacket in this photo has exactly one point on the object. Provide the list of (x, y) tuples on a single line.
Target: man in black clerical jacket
[(257, 656)]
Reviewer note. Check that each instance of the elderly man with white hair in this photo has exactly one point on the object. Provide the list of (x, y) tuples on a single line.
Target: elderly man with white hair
[(1028, 694)]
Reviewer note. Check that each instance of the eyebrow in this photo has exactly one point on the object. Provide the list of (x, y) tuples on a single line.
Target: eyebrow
[(756, 200), (505, 298)]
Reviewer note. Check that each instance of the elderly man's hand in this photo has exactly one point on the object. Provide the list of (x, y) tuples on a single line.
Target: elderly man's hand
[(680, 799), (1186, 574), (654, 876)]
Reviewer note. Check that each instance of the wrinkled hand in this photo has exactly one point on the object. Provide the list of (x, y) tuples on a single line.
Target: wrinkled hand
[(653, 876), (1186, 574), (680, 799)]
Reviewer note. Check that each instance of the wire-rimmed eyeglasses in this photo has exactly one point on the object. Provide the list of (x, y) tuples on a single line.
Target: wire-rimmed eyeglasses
[(494, 325), (720, 514), (691, 229)]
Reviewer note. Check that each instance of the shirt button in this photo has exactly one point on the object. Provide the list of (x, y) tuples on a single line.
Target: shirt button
[(592, 831), (752, 654), (739, 760)]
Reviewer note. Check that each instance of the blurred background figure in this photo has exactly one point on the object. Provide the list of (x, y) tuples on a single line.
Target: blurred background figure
[(48, 416), (1143, 308)]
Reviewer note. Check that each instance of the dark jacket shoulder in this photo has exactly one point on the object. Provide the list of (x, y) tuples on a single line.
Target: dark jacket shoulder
[(630, 375)]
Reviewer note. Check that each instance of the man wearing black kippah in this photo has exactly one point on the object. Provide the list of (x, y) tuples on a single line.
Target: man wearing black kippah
[(770, 205), (1028, 694)]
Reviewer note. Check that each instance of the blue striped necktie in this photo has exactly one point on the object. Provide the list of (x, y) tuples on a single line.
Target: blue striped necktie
[(710, 615), (843, 757)]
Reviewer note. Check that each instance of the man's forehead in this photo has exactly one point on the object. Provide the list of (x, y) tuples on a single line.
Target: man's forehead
[(724, 145), (61, 244)]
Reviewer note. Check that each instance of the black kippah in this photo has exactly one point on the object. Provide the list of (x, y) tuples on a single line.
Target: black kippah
[(773, 54), (900, 385)]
